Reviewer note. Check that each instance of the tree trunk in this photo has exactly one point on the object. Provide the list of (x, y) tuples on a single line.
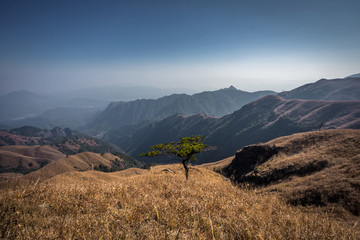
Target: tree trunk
[(185, 164)]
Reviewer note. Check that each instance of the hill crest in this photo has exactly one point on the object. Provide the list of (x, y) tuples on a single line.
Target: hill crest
[(84, 161), (313, 168), (324, 89)]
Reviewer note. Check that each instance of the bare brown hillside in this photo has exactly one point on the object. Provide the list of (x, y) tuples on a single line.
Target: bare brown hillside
[(20, 159), (79, 162), (319, 168)]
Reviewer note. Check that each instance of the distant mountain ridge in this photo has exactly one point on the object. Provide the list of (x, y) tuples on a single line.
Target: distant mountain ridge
[(65, 117), (354, 76), (22, 104), (335, 89), (213, 103), (258, 121)]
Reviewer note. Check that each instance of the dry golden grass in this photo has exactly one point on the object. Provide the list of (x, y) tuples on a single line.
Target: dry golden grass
[(219, 165), (79, 162), (9, 176), (319, 168), (155, 204), (27, 157)]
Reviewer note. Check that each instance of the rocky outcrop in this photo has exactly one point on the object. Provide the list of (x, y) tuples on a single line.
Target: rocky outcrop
[(247, 159)]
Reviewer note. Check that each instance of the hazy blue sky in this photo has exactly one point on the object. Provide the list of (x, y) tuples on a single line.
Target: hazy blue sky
[(265, 44)]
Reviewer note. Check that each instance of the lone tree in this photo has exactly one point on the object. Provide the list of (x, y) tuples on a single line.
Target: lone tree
[(185, 150)]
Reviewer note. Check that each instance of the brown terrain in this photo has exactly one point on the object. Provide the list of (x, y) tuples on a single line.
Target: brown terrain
[(22, 159), (157, 204), (345, 113), (319, 168), (278, 182), (80, 162), (7, 138), (310, 113)]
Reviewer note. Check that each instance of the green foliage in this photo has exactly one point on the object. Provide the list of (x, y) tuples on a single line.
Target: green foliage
[(185, 149)]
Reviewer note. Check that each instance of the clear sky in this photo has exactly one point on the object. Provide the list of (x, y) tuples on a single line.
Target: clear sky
[(56, 45)]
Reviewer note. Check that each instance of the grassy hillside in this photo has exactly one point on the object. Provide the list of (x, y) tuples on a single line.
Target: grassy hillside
[(24, 159), (156, 204), (75, 163), (65, 140), (20, 151), (319, 168)]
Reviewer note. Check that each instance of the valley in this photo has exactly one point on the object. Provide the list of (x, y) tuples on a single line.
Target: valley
[(290, 169)]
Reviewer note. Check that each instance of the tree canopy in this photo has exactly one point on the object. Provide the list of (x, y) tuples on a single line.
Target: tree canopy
[(185, 150)]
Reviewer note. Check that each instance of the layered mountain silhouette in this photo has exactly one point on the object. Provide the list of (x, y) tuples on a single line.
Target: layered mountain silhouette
[(65, 117), (259, 121), (229, 118), (22, 108), (335, 89), (213, 103)]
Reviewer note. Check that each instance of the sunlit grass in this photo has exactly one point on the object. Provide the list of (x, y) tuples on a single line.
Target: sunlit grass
[(156, 204)]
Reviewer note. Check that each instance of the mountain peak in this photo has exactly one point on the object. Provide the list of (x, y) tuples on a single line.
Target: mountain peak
[(231, 88)]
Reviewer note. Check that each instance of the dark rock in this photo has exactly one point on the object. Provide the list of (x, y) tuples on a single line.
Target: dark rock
[(248, 158)]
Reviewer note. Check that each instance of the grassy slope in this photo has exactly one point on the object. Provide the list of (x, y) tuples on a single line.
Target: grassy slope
[(80, 162), (27, 157), (337, 183), (156, 204), (319, 168)]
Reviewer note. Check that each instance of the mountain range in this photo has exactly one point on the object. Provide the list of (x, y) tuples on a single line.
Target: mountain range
[(259, 121), (213, 103), (71, 109), (229, 118)]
